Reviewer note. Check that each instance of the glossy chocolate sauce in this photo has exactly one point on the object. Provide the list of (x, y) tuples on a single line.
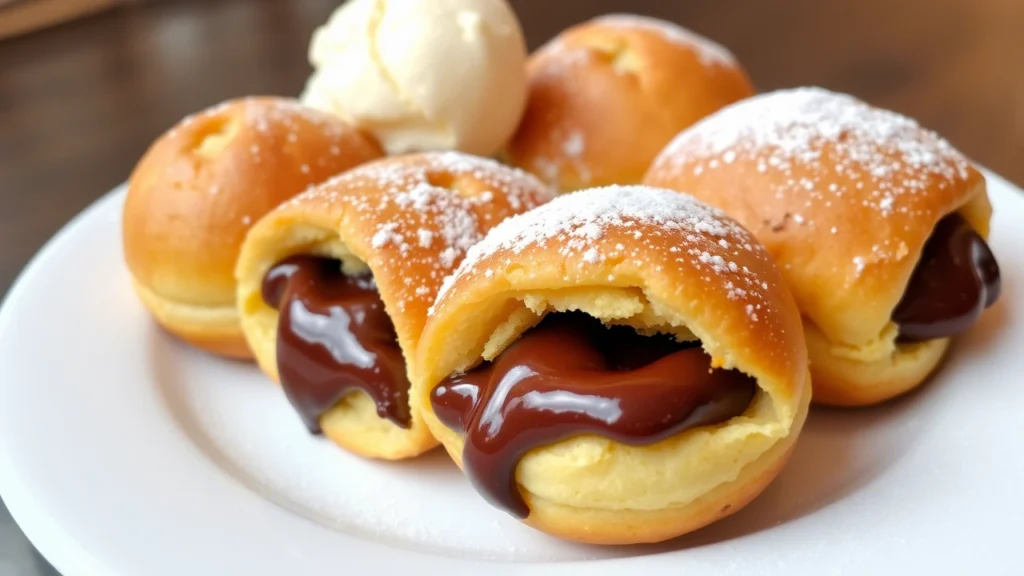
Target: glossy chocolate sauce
[(334, 337), (570, 376), (955, 280)]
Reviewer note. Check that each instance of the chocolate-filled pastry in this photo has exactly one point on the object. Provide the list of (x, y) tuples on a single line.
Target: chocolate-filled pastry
[(620, 365), (202, 185), (334, 287), (878, 225), (607, 95)]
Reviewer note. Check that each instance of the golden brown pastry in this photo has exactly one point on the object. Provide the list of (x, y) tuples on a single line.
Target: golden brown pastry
[(878, 225), (605, 97), (334, 286), (198, 189), (620, 365)]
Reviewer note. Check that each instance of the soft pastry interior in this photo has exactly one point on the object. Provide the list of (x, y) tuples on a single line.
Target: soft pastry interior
[(334, 287), (878, 225), (199, 188), (602, 446)]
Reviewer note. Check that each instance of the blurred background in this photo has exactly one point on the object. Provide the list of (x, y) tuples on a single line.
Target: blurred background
[(86, 85)]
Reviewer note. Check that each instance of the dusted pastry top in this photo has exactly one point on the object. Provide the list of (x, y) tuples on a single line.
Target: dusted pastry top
[(956, 278), (424, 212), (580, 225), (423, 74), (334, 337), (571, 376), (842, 194), (787, 129)]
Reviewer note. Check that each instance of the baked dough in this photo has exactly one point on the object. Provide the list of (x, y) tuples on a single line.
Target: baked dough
[(844, 196), (605, 97), (409, 220), (660, 262), (197, 190)]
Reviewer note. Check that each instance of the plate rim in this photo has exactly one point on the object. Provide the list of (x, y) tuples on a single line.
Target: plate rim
[(46, 535)]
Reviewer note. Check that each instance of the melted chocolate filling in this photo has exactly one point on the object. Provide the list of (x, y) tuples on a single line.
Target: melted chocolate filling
[(955, 280), (569, 376), (334, 337)]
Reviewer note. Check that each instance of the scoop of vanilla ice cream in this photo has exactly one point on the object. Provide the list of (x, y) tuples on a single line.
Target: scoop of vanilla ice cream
[(423, 74)]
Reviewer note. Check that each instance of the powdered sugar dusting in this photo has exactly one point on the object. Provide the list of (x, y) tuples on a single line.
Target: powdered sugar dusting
[(574, 145), (431, 224), (577, 222), (859, 263), (710, 52), (787, 128), (877, 159), (426, 238), (386, 234)]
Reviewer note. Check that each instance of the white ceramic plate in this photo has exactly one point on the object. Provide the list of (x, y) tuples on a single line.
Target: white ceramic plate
[(126, 453)]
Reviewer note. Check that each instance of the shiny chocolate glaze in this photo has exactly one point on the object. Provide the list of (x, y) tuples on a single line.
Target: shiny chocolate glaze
[(334, 337), (570, 376), (955, 280)]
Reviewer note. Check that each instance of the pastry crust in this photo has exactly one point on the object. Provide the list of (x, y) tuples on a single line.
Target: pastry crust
[(198, 189), (605, 97), (844, 379), (410, 221), (844, 196), (660, 262)]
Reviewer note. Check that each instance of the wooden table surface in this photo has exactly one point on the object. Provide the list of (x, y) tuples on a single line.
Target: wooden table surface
[(79, 103)]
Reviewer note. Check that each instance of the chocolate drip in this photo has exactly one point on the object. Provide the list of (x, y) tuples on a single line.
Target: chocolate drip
[(955, 280), (571, 376), (334, 337)]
